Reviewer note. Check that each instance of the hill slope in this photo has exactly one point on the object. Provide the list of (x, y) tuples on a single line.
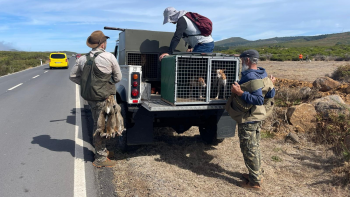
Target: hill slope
[(296, 41)]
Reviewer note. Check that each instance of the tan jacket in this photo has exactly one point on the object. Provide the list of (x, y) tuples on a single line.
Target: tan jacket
[(105, 62)]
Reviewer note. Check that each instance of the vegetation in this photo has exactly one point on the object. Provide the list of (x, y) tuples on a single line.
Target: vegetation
[(342, 73), (14, 61)]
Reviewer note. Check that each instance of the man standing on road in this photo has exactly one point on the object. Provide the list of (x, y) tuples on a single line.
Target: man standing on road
[(250, 103), (189, 31), (97, 73)]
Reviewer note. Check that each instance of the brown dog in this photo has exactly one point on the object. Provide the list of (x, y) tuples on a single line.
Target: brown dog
[(114, 125)]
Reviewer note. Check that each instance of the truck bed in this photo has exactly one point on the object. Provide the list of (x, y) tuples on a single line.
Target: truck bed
[(157, 104)]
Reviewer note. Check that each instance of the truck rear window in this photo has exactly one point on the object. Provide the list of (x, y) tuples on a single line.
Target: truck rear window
[(58, 56)]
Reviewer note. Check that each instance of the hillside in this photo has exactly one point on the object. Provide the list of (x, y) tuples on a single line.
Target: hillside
[(296, 41)]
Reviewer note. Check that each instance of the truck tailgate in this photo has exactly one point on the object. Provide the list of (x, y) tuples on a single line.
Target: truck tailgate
[(160, 105)]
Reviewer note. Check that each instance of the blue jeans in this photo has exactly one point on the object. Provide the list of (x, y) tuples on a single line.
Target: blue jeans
[(205, 47)]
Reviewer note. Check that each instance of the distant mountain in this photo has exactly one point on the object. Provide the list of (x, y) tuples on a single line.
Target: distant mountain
[(294, 41)]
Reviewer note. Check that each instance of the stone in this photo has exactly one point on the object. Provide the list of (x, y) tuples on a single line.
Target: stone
[(303, 115), (332, 103), (305, 91), (293, 137), (325, 84), (347, 90), (299, 129), (347, 142)]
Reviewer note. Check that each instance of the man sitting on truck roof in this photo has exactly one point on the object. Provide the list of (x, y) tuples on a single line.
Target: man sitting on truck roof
[(188, 30), (250, 103), (96, 73)]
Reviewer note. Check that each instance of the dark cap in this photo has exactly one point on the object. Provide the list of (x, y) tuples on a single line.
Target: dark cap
[(95, 39), (250, 53)]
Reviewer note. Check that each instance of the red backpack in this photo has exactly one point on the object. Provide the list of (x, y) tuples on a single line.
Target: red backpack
[(203, 23)]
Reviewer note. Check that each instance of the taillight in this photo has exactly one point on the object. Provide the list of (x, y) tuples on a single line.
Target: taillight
[(66, 60), (135, 92), (50, 60), (135, 85)]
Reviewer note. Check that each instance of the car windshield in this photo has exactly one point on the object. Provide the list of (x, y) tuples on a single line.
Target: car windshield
[(58, 56)]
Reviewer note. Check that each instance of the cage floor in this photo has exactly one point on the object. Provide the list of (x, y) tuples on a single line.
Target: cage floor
[(190, 100)]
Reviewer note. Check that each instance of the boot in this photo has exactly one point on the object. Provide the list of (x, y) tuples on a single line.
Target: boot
[(246, 177), (248, 185), (107, 163)]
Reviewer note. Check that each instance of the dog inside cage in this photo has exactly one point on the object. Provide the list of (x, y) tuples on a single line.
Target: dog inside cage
[(191, 79), (222, 77)]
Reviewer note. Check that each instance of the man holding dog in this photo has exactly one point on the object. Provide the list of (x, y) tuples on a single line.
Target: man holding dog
[(250, 103), (97, 73)]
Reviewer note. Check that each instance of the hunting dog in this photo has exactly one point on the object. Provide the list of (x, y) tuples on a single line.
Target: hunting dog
[(197, 82), (220, 81)]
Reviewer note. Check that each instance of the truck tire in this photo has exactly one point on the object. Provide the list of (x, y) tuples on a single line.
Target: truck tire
[(208, 134), (122, 140)]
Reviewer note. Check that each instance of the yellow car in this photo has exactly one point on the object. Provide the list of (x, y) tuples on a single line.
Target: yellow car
[(58, 60)]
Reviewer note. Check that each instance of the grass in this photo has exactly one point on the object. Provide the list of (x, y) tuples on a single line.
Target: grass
[(276, 159), (266, 135), (11, 61)]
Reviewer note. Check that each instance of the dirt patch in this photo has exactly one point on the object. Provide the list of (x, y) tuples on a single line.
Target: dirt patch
[(181, 165), (304, 71)]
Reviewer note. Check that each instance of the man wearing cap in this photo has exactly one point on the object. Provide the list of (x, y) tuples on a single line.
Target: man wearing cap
[(250, 103), (187, 30), (97, 73)]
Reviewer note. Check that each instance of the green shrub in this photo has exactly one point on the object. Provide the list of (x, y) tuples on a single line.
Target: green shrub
[(342, 73)]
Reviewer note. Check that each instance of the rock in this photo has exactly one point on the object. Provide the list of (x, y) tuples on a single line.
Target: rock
[(303, 115), (332, 103), (305, 91), (325, 84), (347, 90), (347, 142), (293, 137)]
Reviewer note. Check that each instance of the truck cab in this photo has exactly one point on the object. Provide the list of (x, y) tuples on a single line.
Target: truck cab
[(181, 91)]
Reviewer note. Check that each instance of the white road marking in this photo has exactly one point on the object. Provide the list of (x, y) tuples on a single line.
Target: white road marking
[(15, 86), (79, 164), (36, 76), (46, 71)]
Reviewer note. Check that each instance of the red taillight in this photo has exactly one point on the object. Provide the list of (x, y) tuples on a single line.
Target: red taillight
[(50, 60), (135, 101), (135, 93), (66, 60), (135, 84)]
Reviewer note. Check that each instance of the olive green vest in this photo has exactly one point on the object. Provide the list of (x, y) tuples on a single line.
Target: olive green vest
[(242, 112), (95, 85)]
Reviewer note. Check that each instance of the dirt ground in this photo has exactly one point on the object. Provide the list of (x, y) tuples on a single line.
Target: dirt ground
[(304, 71), (182, 165)]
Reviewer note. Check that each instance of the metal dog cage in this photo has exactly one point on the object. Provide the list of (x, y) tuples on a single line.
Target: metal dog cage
[(192, 79), (149, 63)]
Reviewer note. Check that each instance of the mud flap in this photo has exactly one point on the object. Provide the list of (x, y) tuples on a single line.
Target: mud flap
[(142, 131), (226, 126)]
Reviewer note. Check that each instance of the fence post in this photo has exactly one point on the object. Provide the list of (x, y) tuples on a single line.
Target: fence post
[(41, 62)]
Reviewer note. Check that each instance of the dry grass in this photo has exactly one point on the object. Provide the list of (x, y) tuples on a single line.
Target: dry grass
[(181, 165)]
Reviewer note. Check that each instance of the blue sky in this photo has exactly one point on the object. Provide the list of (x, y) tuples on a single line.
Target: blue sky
[(45, 25)]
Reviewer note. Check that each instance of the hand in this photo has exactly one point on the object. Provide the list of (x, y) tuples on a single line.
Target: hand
[(273, 79), (236, 89), (189, 50), (162, 56)]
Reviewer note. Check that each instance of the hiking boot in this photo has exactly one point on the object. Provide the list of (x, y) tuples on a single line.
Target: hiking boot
[(107, 163), (248, 185), (246, 177)]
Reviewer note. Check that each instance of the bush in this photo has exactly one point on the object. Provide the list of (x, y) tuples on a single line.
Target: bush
[(342, 73)]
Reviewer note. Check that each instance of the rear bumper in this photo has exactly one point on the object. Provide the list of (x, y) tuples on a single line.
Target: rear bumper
[(59, 66)]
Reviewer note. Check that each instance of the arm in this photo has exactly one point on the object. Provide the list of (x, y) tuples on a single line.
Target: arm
[(75, 73), (116, 73), (255, 98), (181, 27), (271, 93)]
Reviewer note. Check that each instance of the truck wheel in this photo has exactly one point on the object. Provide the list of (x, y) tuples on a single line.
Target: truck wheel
[(122, 145), (208, 134)]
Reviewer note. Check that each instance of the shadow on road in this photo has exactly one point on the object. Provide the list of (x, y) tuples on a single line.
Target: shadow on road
[(58, 145)]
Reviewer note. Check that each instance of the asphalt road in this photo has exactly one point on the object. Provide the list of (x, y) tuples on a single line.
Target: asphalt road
[(37, 143)]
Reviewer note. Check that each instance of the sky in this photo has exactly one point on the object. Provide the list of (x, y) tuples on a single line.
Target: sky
[(46, 25)]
